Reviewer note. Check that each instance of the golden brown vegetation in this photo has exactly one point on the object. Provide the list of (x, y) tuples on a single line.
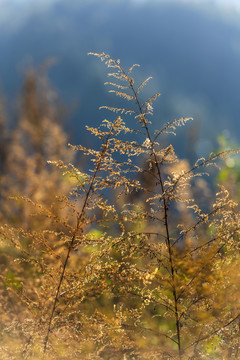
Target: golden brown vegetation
[(117, 262)]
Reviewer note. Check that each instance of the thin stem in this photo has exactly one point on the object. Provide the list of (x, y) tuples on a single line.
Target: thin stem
[(213, 332), (165, 207), (76, 231)]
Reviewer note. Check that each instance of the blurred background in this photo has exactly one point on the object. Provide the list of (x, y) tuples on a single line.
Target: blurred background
[(190, 48)]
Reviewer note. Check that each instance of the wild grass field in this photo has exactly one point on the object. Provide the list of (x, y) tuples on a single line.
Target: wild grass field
[(117, 251)]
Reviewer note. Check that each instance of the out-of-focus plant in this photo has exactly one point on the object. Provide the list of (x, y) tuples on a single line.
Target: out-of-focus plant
[(229, 174)]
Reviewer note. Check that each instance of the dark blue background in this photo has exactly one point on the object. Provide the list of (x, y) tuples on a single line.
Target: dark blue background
[(193, 55)]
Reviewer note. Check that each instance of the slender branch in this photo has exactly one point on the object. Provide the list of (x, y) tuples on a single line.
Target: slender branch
[(165, 207), (213, 332), (77, 229), (151, 330), (200, 221), (210, 241)]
